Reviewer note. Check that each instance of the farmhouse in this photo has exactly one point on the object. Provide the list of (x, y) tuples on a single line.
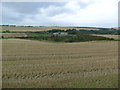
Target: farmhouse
[(62, 33)]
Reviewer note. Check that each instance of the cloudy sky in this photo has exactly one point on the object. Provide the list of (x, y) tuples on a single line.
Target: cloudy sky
[(86, 13)]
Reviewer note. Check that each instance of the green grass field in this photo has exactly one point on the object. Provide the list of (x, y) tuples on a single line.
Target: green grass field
[(38, 64), (34, 34)]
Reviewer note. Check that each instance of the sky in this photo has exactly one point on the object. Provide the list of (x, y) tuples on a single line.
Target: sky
[(82, 13)]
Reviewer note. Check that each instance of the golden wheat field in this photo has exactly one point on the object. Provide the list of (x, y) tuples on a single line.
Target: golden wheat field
[(38, 64), (116, 37), (12, 35), (25, 29)]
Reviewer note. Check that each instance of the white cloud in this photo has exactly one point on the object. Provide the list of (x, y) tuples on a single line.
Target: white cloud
[(100, 13)]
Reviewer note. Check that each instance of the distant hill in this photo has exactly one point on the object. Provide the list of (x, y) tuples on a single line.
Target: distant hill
[(41, 28), (83, 30)]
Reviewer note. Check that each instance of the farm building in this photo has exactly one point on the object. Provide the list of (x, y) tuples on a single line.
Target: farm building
[(62, 33)]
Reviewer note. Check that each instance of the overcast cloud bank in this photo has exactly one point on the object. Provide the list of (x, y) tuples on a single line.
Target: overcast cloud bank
[(98, 13)]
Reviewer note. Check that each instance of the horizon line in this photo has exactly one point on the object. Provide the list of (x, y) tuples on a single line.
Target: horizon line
[(56, 26)]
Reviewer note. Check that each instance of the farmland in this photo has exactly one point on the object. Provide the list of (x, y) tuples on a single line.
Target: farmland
[(73, 34), (33, 57), (116, 37), (13, 35), (37, 29), (41, 64)]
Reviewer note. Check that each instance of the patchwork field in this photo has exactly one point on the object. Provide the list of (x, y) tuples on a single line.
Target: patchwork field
[(35, 64), (12, 35), (25, 29), (116, 37)]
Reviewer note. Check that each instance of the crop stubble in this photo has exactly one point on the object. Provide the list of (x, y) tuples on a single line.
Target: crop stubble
[(35, 64)]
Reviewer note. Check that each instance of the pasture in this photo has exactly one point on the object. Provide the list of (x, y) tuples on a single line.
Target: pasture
[(40, 64)]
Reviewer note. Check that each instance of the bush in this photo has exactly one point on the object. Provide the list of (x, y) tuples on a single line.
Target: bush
[(67, 38)]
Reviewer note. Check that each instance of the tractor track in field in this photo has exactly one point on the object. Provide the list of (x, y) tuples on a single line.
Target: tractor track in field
[(38, 54), (82, 73)]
